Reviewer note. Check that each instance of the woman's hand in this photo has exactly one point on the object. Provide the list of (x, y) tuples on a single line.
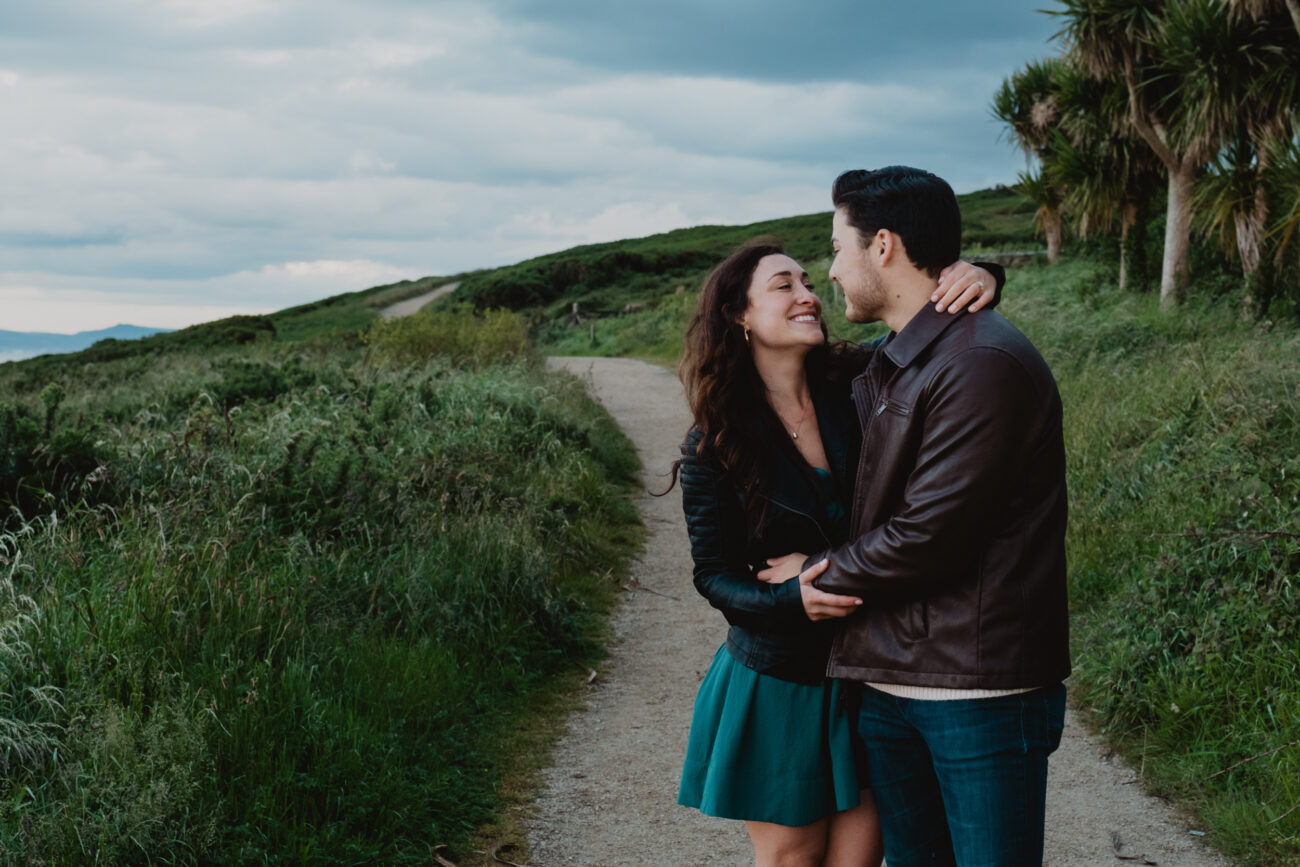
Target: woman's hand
[(781, 569), (962, 284), (820, 605)]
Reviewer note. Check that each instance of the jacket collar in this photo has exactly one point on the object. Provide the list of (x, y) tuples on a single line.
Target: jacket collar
[(926, 326)]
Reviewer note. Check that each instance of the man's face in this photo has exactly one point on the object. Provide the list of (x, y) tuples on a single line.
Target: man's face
[(856, 272)]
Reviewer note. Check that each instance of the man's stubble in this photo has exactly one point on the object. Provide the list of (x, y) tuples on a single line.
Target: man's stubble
[(866, 303)]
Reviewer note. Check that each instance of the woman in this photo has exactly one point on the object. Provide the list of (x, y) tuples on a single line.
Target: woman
[(765, 471)]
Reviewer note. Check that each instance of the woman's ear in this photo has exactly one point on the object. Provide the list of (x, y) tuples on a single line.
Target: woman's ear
[(740, 320)]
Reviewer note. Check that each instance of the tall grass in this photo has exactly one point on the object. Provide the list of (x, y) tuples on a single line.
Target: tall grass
[(1184, 542), (304, 593)]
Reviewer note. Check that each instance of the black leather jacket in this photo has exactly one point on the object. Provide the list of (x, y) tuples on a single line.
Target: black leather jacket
[(959, 520), (769, 631)]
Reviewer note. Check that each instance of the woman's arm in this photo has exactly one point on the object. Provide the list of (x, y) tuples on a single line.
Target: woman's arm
[(715, 522), (972, 285)]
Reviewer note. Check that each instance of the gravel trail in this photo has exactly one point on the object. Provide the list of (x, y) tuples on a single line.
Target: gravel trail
[(610, 797), (413, 305)]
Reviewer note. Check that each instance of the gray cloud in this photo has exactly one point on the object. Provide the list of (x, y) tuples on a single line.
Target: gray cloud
[(179, 152)]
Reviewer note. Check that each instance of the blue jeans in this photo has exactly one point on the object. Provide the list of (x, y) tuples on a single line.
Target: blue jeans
[(962, 782)]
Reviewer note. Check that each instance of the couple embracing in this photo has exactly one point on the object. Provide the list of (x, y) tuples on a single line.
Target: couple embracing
[(883, 527)]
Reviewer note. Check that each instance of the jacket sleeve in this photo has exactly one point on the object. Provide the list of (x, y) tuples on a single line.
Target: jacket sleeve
[(979, 411), (715, 522)]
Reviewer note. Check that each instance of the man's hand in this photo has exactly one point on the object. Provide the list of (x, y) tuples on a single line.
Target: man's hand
[(820, 605), (781, 569), (962, 284)]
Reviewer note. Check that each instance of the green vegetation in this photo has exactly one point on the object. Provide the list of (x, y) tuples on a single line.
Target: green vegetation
[(283, 602), (604, 278), (338, 318), (1185, 501)]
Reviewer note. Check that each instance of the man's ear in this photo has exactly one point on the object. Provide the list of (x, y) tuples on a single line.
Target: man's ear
[(883, 247)]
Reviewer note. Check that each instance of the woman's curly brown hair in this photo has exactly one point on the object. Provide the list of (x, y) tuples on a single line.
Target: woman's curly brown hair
[(726, 395)]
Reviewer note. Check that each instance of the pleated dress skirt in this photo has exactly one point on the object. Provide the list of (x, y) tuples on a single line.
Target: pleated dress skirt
[(768, 750)]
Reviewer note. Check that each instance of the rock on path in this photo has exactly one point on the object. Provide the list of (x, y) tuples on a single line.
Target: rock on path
[(611, 796)]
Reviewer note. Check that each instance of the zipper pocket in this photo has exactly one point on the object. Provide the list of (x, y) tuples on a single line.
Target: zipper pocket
[(894, 407)]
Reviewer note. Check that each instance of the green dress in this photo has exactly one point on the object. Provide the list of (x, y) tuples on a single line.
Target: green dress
[(769, 750)]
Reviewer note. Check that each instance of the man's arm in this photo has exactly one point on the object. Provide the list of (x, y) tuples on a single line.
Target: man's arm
[(978, 412)]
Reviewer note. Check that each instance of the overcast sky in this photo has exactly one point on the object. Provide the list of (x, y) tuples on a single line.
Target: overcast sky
[(165, 162)]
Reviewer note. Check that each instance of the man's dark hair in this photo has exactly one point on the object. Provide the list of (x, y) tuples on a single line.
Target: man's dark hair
[(916, 205)]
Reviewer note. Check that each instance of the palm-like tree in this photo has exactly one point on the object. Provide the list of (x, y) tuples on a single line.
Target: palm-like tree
[(1227, 202), (1044, 190), (1259, 8), (1026, 102), (1126, 37), (1237, 87), (1283, 177), (1106, 171)]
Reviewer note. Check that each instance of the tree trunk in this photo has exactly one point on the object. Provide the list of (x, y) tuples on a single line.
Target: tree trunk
[(1052, 227), (1250, 234), (1128, 218), (1182, 175), (1178, 232)]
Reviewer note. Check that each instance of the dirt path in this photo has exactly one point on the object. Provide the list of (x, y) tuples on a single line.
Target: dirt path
[(610, 797), (412, 305)]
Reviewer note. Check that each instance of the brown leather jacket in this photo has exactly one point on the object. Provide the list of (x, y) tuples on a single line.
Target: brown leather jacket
[(958, 522)]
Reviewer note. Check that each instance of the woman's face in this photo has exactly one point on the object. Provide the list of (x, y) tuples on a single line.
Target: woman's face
[(783, 312)]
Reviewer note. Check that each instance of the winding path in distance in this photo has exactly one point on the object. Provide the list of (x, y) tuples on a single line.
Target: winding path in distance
[(609, 798), (413, 305)]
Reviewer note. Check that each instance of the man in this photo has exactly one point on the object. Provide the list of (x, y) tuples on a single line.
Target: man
[(958, 552)]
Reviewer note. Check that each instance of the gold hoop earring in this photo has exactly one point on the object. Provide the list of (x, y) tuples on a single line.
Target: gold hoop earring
[(746, 335)]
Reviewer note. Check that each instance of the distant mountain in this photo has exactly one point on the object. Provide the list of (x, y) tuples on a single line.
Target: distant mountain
[(15, 345)]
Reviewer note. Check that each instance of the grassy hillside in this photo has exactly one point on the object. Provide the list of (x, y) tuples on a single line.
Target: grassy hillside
[(284, 602), (338, 317), (625, 276)]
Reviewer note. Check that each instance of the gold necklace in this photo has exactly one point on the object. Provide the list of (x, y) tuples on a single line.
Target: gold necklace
[(794, 431)]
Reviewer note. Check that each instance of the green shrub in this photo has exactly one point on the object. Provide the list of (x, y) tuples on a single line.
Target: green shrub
[(461, 334)]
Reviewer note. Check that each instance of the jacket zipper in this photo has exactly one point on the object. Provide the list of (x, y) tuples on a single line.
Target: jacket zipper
[(803, 514)]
